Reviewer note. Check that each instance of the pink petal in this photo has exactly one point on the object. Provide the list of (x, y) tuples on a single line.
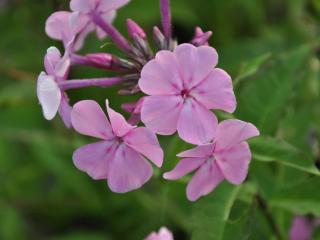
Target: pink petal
[(81, 26), (65, 111), (184, 166), (200, 151), (301, 229), (216, 91), (57, 26), (204, 181), (88, 119), (196, 124), (63, 67), (161, 113), (95, 158), (128, 171), (231, 132), (195, 62), (84, 6), (234, 162), (164, 234), (49, 95), (118, 122), (161, 76), (51, 60), (145, 142)]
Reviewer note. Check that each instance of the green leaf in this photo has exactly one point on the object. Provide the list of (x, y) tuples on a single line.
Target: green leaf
[(210, 214), (251, 67), (302, 198), (269, 149), (264, 100)]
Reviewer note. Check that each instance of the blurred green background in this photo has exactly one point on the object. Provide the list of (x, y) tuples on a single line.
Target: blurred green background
[(271, 48)]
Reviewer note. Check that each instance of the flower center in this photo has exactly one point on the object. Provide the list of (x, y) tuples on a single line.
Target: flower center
[(185, 93)]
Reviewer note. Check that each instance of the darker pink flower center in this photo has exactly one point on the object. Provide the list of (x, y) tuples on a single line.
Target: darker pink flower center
[(185, 93)]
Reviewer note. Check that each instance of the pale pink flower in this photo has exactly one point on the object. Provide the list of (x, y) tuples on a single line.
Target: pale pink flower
[(228, 157), (120, 155), (183, 86), (69, 28), (51, 97), (105, 8), (163, 234), (302, 228)]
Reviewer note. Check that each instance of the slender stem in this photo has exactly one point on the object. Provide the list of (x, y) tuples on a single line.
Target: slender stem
[(265, 210), (115, 35), (99, 82), (166, 17)]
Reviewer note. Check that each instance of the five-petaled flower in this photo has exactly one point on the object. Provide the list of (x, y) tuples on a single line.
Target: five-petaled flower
[(163, 234), (106, 9), (120, 155), (51, 97), (183, 86), (227, 157)]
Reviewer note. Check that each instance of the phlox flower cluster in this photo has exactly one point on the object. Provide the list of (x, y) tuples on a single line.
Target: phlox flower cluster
[(179, 85)]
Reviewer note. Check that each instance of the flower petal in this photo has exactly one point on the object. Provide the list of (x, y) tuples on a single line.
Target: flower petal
[(118, 122), (51, 60), (184, 166), (195, 62), (49, 95), (196, 124), (161, 113), (128, 171), (88, 119), (231, 132), (84, 6), (164, 234), (200, 151), (95, 158), (145, 142), (65, 111), (57, 26), (216, 91), (301, 229), (161, 76), (234, 162), (204, 181)]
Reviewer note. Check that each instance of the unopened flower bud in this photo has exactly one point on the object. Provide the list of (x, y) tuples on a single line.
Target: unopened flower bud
[(159, 39), (201, 38), (135, 30)]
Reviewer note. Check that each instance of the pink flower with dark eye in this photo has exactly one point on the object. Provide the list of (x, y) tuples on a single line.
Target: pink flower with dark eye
[(120, 155), (105, 8), (163, 234), (51, 97), (183, 86), (302, 228), (228, 157)]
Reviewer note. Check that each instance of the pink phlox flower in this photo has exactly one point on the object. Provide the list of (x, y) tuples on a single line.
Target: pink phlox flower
[(302, 228), (163, 234), (228, 157), (69, 28), (105, 8), (119, 157), (183, 86), (51, 97)]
